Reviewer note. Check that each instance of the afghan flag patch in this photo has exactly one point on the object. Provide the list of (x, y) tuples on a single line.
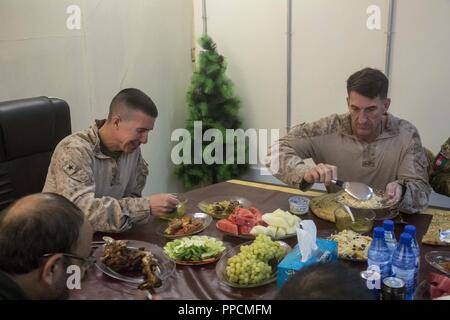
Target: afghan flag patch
[(439, 162)]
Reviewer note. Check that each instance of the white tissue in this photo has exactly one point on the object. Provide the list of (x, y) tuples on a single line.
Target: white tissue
[(306, 236)]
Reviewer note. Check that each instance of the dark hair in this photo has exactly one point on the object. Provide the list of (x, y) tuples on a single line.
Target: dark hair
[(368, 82), (325, 281), (50, 225), (133, 99)]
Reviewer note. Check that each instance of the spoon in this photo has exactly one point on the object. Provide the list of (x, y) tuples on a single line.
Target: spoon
[(357, 190), (347, 208)]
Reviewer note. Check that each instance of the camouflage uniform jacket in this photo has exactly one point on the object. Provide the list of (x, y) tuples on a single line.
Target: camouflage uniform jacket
[(108, 190), (440, 177), (395, 155)]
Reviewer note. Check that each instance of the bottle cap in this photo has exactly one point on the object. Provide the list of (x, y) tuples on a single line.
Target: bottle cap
[(405, 238), (378, 232), (410, 229), (388, 225)]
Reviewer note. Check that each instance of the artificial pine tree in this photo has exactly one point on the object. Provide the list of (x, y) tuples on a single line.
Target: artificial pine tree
[(211, 100)]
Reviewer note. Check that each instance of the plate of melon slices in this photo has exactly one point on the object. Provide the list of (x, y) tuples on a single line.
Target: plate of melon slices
[(248, 223)]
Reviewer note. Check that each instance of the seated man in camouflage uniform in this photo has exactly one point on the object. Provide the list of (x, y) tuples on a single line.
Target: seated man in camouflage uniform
[(102, 170), (440, 177), (367, 144)]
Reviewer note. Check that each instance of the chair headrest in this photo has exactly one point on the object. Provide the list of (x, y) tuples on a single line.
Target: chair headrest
[(30, 126)]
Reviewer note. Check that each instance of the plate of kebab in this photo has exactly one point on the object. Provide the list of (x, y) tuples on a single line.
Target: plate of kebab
[(136, 262), (189, 224)]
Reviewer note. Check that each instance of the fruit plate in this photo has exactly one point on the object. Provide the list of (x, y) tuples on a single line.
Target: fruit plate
[(206, 221), (250, 236), (204, 205), (222, 265)]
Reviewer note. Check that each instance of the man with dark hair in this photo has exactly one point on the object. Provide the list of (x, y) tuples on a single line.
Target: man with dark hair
[(325, 281), (40, 236), (102, 170), (367, 144)]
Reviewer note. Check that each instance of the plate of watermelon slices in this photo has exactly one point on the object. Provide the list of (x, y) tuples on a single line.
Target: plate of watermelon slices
[(241, 222)]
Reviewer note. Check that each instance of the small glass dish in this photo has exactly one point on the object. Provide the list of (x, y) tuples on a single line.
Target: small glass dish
[(439, 260), (179, 211), (364, 219), (298, 205)]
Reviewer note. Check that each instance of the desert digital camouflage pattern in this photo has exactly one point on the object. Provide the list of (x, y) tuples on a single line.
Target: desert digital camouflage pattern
[(108, 190), (396, 155)]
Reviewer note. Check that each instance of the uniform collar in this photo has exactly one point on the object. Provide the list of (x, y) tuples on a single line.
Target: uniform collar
[(94, 138), (10, 290), (390, 126)]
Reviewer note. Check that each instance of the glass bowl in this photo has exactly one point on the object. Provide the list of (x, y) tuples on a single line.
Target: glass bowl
[(383, 210), (364, 219)]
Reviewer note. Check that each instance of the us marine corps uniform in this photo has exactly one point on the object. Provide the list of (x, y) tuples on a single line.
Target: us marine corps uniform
[(440, 178), (107, 187), (396, 155)]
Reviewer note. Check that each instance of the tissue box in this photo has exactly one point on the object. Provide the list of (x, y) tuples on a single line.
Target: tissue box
[(292, 262)]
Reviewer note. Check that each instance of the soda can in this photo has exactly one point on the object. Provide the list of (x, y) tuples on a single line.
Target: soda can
[(393, 289)]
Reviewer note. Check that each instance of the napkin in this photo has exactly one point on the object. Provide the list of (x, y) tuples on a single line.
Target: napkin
[(306, 236)]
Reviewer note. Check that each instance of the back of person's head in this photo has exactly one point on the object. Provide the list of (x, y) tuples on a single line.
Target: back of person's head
[(325, 281), (36, 225), (132, 99), (368, 82)]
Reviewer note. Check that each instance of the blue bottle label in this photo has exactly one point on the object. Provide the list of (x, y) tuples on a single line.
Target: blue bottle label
[(406, 275)]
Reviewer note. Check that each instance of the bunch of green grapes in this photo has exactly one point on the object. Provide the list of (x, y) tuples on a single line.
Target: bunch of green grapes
[(247, 270), (264, 249), (251, 266)]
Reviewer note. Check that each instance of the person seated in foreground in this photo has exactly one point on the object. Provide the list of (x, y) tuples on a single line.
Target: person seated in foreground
[(41, 235), (325, 281)]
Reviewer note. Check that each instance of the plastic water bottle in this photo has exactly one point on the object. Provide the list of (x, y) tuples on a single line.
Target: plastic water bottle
[(403, 263), (389, 235), (411, 230), (379, 254)]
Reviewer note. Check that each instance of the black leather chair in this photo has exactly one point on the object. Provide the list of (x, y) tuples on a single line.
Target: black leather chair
[(30, 129)]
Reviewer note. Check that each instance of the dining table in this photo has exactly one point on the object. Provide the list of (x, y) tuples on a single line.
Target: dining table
[(201, 282)]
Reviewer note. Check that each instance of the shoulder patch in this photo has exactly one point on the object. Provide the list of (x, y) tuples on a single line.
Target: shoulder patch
[(70, 168)]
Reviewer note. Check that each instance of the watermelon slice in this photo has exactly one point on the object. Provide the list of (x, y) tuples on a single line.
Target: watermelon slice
[(245, 229), (227, 226)]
